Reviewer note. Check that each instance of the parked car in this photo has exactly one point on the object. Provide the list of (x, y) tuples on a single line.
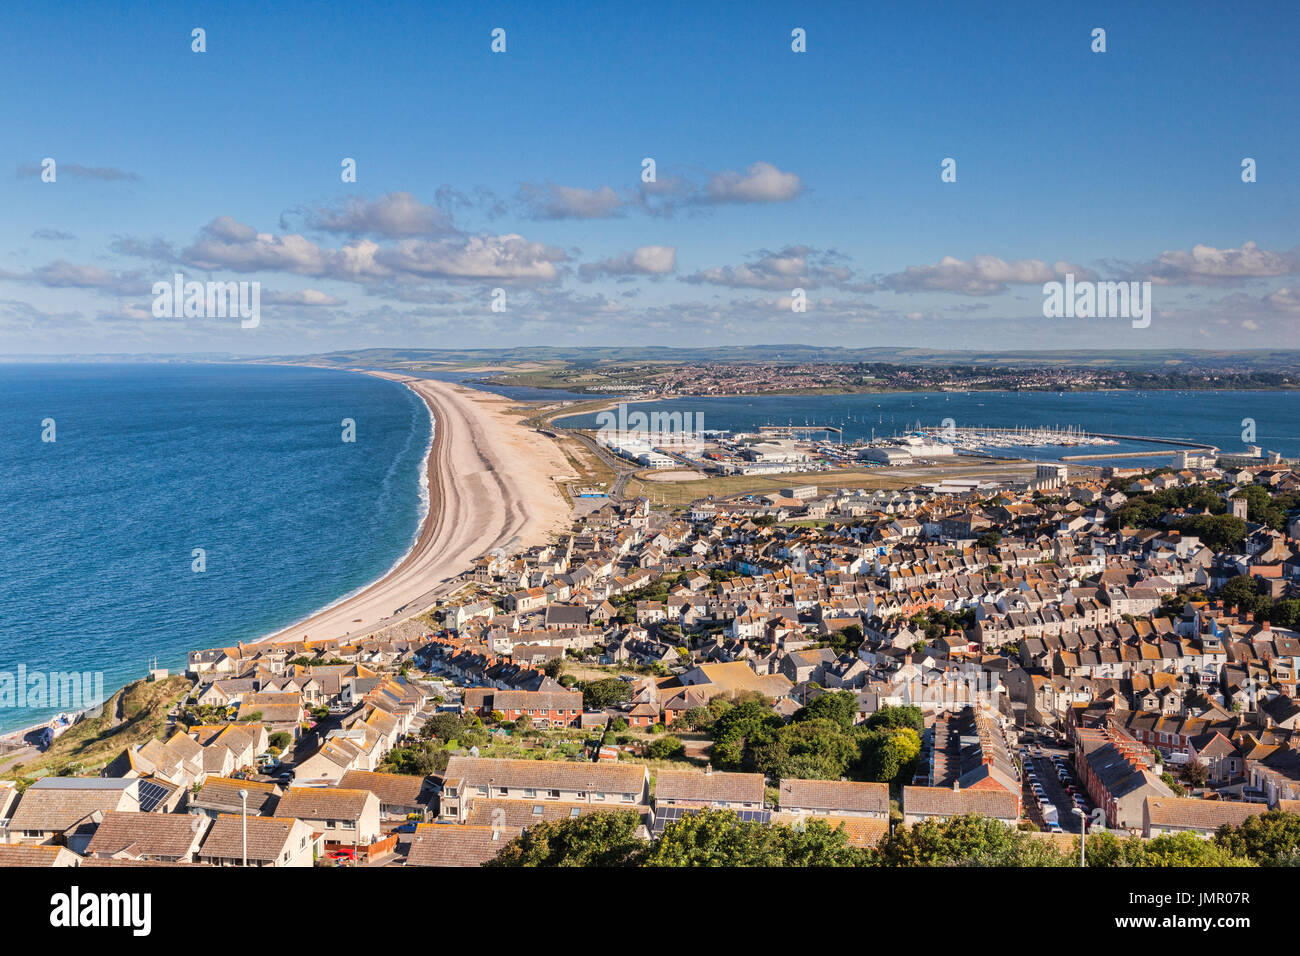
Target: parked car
[(406, 827), (345, 855)]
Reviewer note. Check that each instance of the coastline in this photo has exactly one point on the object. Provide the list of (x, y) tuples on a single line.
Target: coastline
[(489, 486)]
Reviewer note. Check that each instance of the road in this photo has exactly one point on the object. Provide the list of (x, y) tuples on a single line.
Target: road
[(623, 470), (1056, 793)]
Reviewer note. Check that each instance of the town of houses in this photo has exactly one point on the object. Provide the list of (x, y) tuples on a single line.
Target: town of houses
[(1010, 615)]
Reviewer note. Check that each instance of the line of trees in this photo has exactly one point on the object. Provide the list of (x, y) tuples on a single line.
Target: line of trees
[(721, 838)]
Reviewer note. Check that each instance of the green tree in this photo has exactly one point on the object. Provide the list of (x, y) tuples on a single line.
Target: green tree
[(1170, 782), (810, 749), (1196, 773), (1217, 532), (666, 748), (715, 838), (966, 840), (599, 694), (1106, 849), (740, 728), (839, 706), (1242, 592), (697, 718), (416, 758), (1268, 839), (888, 718), (1187, 849), (605, 839), (443, 726), (888, 756)]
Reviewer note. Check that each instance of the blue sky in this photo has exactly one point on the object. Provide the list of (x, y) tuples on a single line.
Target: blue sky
[(522, 171)]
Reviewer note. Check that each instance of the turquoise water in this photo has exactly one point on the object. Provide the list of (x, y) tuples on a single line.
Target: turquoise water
[(1213, 417), (98, 528)]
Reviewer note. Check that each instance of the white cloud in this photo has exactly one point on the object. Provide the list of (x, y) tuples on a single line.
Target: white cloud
[(227, 244), (1207, 265), (393, 216), (568, 202), (307, 297), (980, 275), (490, 257), (78, 171), (642, 261), (762, 182), (787, 268)]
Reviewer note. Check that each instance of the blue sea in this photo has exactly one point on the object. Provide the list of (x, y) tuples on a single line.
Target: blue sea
[(1213, 417), (98, 529)]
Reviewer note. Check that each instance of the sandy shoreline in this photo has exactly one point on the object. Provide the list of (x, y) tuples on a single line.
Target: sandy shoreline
[(489, 487)]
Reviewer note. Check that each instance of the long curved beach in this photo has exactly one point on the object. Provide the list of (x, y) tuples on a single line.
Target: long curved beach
[(490, 486)]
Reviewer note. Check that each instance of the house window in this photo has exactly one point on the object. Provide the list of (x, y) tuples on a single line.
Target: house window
[(600, 796), (503, 791), (553, 794), (529, 793), (538, 811)]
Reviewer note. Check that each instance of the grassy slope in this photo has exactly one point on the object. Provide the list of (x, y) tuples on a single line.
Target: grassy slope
[(94, 742)]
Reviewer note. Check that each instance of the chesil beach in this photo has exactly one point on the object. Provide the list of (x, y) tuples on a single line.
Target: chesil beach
[(198, 505), (489, 486)]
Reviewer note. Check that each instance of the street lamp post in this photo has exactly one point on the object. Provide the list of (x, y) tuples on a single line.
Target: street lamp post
[(1083, 834), (243, 799)]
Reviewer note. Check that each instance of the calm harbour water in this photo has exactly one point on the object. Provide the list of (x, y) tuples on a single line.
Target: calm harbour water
[(1213, 417)]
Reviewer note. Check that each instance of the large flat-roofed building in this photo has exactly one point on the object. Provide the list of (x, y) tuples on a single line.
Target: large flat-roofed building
[(780, 450), (802, 492), (920, 447), (885, 455)]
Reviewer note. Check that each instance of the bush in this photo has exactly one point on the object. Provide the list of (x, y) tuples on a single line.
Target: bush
[(667, 747)]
